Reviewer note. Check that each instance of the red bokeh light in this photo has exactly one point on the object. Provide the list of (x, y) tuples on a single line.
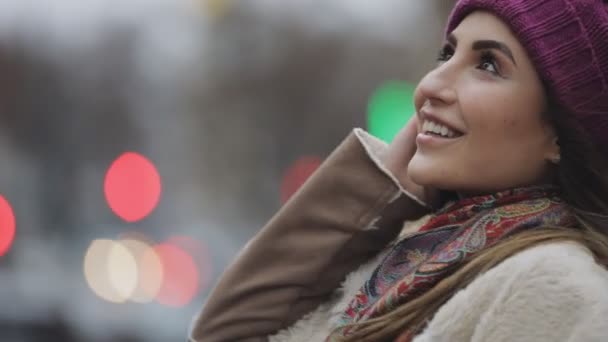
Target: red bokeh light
[(200, 254), (180, 276), (132, 187), (297, 174), (7, 226)]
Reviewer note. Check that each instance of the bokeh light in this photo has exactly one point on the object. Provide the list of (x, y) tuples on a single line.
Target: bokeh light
[(390, 108), (151, 275), (132, 187), (132, 269), (122, 270), (200, 254), (297, 174), (149, 270), (181, 277), (7, 226), (96, 270)]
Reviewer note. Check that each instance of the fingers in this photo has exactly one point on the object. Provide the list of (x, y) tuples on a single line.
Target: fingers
[(405, 141), (403, 147)]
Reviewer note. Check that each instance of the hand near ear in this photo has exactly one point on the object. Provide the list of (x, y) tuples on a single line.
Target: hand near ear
[(400, 152)]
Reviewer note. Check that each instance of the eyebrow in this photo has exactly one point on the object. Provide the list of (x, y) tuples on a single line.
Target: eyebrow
[(486, 44)]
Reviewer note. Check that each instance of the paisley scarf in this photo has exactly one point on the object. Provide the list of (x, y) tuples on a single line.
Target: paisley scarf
[(460, 230)]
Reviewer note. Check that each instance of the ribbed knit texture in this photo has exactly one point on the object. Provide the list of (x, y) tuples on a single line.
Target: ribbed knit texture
[(567, 41)]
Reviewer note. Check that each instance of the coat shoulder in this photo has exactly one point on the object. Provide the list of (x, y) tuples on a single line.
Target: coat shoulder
[(548, 292), (558, 265), (554, 259)]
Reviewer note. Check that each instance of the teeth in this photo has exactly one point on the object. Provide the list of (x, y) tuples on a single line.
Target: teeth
[(426, 126), (437, 128)]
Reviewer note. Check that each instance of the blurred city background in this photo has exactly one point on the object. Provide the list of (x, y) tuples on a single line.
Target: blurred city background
[(143, 142)]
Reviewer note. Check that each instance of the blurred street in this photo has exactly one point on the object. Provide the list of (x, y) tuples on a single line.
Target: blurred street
[(143, 142)]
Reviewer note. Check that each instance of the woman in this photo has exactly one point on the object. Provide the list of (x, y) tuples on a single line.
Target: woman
[(507, 150)]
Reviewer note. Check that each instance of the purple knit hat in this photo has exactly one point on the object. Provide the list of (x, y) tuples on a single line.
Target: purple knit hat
[(567, 41)]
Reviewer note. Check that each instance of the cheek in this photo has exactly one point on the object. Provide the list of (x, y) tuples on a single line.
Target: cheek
[(496, 114)]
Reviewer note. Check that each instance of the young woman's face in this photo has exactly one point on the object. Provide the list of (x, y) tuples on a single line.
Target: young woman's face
[(481, 127)]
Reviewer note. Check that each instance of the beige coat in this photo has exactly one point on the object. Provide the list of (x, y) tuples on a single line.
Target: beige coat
[(288, 282)]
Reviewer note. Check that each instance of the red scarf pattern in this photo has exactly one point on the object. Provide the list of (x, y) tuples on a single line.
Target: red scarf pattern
[(461, 229)]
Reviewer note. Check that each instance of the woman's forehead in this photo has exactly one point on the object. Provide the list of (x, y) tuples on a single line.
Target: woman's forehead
[(484, 25)]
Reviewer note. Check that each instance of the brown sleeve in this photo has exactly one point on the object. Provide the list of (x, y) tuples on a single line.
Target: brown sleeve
[(343, 215)]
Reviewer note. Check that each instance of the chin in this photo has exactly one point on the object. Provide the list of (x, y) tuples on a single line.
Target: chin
[(423, 176), (424, 172), (433, 176)]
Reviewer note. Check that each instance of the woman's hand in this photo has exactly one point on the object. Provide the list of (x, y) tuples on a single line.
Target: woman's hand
[(400, 152)]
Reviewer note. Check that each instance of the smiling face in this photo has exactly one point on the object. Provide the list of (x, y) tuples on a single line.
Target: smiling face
[(481, 127)]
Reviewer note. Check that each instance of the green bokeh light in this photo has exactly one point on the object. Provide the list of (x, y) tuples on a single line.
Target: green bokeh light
[(390, 108)]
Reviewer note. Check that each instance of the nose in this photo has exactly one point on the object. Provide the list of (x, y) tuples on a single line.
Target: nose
[(437, 87)]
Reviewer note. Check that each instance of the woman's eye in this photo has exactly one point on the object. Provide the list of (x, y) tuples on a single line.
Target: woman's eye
[(445, 53), (489, 63)]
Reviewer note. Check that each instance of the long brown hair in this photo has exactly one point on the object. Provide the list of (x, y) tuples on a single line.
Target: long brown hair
[(582, 175)]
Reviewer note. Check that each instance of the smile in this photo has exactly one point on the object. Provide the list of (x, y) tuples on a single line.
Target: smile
[(430, 127)]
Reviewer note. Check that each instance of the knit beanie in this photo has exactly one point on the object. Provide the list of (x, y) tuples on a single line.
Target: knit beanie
[(567, 41)]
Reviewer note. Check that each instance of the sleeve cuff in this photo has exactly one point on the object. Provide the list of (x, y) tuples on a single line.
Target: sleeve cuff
[(376, 150)]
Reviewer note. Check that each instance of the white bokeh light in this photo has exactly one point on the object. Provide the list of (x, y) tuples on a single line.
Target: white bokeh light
[(96, 271), (122, 270), (149, 270)]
